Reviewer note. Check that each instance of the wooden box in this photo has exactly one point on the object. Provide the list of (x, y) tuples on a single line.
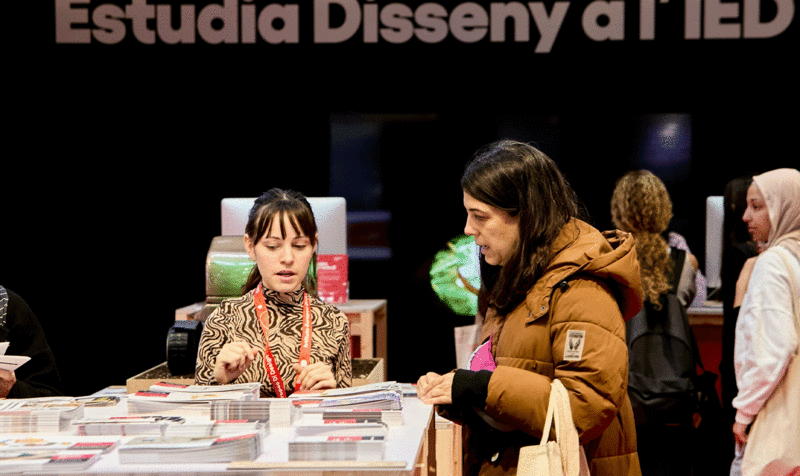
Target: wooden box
[(159, 373)]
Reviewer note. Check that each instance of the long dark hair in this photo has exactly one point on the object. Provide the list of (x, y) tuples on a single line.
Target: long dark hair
[(522, 181), (275, 204)]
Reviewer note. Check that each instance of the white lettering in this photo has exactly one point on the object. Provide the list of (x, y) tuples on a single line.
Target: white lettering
[(324, 33), (184, 34), (753, 28), (139, 12), (500, 13), (548, 25), (714, 12), (248, 23), (613, 11), (432, 18), (469, 22), (647, 19), (289, 15), (396, 18), (692, 18), (338, 21), (229, 33), (110, 28), (370, 23), (66, 16)]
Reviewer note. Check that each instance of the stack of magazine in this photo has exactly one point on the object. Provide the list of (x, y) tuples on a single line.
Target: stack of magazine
[(188, 449), (51, 454), (376, 396), (337, 448), (346, 424), (165, 397), (126, 425), (277, 412), (39, 415)]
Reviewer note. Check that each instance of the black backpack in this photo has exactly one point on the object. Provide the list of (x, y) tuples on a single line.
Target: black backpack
[(662, 359)]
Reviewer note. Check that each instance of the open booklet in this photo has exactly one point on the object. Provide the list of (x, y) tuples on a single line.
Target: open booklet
[(10, 363)]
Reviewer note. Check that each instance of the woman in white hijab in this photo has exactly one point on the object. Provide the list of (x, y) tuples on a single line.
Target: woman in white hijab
[(766, 345)]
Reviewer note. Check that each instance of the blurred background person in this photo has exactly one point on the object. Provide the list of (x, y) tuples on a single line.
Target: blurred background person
[(641, 205), (19, 327)]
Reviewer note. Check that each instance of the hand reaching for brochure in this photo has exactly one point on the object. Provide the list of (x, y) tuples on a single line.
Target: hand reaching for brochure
[(233, 359), (436, 389), (316, 376)]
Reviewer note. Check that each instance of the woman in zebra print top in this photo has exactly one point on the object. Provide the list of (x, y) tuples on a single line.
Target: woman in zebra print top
[(281, 237)]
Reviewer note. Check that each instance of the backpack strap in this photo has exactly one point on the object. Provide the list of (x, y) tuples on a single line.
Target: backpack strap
[(678, 258)]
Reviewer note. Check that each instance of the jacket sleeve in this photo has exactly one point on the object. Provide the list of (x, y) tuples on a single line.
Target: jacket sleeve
[(39, 376), (587, 338), (766, 335)]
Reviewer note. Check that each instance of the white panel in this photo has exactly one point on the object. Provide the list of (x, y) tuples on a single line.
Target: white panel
[(329, 212)]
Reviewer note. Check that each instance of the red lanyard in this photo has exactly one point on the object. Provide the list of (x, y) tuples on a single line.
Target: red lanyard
[(305, 340)]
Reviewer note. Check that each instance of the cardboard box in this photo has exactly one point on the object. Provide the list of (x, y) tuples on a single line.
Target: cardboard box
[(159, 373)]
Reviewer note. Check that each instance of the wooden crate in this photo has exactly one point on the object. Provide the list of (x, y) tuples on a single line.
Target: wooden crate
[(367, 328)]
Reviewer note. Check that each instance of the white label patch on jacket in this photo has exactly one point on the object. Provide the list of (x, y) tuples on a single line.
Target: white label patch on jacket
[(573, 349)]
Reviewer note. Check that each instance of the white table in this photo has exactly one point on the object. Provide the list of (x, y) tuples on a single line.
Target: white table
[(406, 445)]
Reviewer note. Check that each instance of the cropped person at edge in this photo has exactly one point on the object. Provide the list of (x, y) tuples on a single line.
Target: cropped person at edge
[(266, 326), (766, 336), (550, 280)]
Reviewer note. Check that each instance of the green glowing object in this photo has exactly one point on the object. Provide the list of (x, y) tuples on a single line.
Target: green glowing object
[(455, 275)]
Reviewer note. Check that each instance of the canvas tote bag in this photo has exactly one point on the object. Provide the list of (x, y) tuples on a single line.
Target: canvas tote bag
[(773, 444), (564, 456)]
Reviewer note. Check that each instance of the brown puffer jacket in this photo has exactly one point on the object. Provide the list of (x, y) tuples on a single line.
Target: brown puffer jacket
[(572, 327)]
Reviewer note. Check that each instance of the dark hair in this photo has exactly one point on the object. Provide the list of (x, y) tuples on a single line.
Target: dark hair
[(522, 181), (282, 203), (734, 229), (735, 203)]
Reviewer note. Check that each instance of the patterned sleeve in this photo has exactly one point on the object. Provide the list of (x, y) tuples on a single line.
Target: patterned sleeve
[(343, 366), (211, 341)]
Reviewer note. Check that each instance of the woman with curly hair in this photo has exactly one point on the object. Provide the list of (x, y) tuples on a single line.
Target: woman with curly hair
[(640, 205)]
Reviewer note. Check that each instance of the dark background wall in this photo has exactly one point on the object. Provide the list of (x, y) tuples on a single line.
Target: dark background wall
[(117, 157)]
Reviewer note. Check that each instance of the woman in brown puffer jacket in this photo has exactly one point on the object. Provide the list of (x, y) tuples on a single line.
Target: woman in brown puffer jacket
[(555, 295)]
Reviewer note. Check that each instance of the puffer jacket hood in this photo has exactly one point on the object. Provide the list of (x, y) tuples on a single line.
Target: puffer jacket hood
[(609, 255)]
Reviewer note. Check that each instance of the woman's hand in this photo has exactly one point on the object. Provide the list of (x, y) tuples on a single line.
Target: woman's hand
[(316, 376), (436, 389), (740, 433), (233, 359), (744, 278)]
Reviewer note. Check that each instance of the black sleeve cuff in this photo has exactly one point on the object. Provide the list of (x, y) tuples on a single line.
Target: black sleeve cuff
[(471, 388)]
